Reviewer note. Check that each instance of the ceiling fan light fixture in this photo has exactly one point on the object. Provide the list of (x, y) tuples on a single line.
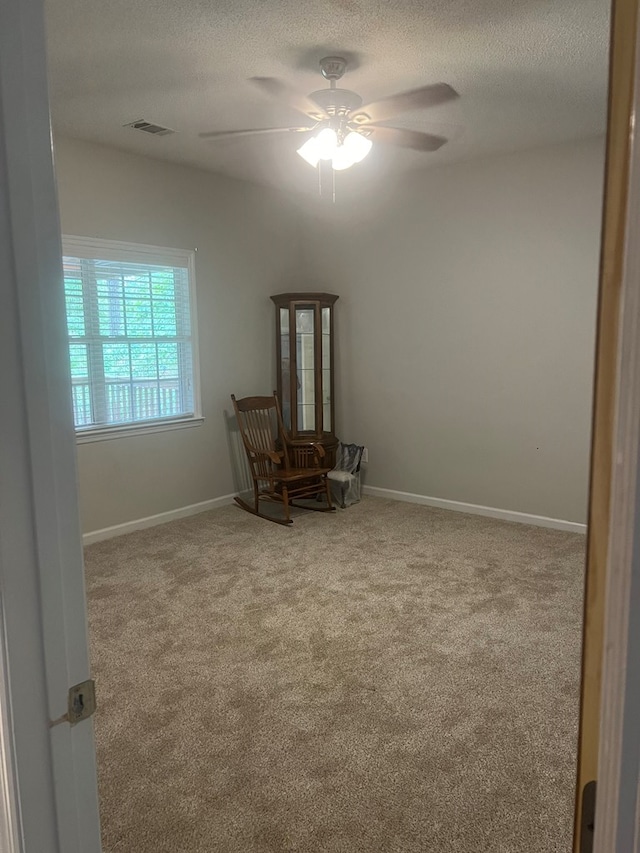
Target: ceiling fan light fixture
[(357, 145), (309, 151)]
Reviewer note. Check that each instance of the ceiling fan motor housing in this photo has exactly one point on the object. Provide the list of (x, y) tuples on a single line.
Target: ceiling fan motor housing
[(338, 105), (336, 101)]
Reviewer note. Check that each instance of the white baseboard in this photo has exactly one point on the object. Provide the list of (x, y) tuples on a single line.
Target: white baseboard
[(475, 509), (153, 520), (374, 491)]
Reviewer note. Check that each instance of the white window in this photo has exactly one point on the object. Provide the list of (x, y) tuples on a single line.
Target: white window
[(131, 327)]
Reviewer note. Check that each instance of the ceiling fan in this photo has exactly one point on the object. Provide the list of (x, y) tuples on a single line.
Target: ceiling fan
[(345, 128)]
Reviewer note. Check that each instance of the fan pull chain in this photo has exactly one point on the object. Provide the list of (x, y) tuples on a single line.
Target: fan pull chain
[(323, 167)]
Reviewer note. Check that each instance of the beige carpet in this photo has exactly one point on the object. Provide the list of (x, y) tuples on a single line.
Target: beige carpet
[(391, 678)]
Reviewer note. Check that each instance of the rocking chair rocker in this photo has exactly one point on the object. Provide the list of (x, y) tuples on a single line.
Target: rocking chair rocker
[(281, 471)]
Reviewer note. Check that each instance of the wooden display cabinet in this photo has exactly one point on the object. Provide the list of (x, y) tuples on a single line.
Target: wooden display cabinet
[(306, 382)]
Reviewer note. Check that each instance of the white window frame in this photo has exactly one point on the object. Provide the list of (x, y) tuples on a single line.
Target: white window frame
[(92, 248)]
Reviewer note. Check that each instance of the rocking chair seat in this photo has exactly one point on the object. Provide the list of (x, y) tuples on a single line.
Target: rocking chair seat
[(300, 473)]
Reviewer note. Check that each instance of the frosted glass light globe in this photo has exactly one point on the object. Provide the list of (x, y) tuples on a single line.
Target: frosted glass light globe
[(309, 151), (357, 145), (342, 158), (327, 142)]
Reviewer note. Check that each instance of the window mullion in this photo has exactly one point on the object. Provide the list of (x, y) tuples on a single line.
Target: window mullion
[(184, 374), (155, 345), (96, 359), (185, 356)]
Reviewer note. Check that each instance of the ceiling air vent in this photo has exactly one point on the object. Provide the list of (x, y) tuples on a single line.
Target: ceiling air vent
[(149, 127)]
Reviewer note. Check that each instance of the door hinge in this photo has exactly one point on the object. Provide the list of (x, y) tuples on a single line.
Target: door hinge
[(81, 703), (588, 818)]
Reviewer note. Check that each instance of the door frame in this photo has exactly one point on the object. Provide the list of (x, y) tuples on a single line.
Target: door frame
[(618, 800), (608, 748), (48, 782), (610, 714)]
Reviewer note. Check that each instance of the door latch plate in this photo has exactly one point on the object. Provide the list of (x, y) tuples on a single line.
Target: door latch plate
[(82, 701)]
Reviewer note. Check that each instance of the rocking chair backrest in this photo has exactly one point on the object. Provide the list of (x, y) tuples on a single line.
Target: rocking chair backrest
[(260, 425)]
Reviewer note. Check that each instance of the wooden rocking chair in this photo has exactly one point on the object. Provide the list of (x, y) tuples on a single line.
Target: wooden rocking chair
[(281, 471)]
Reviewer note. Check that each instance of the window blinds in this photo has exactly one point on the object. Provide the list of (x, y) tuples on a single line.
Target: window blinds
[(130, 343)]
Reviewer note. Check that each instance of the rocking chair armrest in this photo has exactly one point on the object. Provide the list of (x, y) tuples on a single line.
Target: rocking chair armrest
[(273, 455), (319, 449)]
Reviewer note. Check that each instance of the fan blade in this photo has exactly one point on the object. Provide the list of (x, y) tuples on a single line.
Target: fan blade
[(283, 92), (404, 102), (221, 134), (406, 138)]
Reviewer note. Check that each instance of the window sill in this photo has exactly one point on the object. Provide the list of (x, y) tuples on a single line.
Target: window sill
[(128, 430)]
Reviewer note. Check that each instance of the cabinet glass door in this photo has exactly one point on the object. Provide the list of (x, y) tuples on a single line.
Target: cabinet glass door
[(326, 370), (305, 361), (285, 367)]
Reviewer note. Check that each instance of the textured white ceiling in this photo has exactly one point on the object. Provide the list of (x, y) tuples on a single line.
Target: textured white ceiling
[(529, 72)]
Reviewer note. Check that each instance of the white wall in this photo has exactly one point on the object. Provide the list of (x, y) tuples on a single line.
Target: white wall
[(467, 318), (247, 245), (465, 322)]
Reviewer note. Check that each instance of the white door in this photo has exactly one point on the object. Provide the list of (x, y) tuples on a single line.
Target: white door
[(48, 792)]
